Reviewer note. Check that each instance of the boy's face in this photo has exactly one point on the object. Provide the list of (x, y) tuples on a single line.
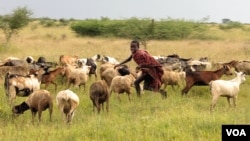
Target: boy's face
[(133, 47)]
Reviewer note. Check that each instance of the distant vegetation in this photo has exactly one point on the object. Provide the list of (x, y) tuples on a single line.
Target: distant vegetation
[(143, 30), (138, 28), (12, 23)]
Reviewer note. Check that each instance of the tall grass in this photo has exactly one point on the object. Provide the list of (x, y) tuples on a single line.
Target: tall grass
[(146, 118)]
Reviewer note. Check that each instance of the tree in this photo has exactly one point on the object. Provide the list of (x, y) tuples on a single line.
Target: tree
[(142, 30), (12, 23)]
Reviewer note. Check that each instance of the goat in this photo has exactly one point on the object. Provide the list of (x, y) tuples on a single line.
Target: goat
[(226, 88), (67, 102), (18, 85), (38, 101), (89, 62), (50, 77), (30, 60), (99, 94), (201, 78), (110, 60)]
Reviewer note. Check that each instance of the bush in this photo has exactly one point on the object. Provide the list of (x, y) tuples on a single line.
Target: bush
[(231, 25), (87, 28), (144, 29)]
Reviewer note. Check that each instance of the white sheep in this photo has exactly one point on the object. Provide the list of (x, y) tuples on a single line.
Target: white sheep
[(121, 84), (38, 101), (67, 102), (226, 88), (172, 78)]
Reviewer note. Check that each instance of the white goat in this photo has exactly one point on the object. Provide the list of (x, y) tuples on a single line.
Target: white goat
[(90, 62), (18, 85), (67, 102), (226, 88), (110, 60), (83, 61)]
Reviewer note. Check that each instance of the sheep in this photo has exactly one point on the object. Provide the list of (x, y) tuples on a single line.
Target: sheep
[(14, 63), (172, 78), (68, 60), (99, 94), (172, 67), (105, 66), (108, 72), (38, 101), (243, 66), (78, 76), (108, 75), (67, 102), (21, 70), (121, 84), (226, 88), (199, 65)]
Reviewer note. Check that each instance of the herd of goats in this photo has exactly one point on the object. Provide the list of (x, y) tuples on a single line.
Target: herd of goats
[(23, 77)]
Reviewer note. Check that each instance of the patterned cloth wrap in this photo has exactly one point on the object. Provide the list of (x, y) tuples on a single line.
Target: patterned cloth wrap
[(150, 66)]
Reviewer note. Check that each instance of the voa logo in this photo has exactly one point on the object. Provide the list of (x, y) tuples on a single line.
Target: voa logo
[(236, 132)]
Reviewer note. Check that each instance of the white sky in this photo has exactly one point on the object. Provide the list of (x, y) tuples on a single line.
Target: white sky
[(215, 10)]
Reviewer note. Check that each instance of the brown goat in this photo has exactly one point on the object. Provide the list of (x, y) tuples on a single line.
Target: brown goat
[(201, 78), (99, 94), (51, 76)]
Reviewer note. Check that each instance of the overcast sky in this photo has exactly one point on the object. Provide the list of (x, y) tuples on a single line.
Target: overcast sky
[(215, 10)]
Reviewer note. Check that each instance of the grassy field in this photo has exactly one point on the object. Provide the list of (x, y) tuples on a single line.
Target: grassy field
[(147, 118)]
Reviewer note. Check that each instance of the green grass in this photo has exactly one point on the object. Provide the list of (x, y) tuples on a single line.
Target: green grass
[(147, 118)]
